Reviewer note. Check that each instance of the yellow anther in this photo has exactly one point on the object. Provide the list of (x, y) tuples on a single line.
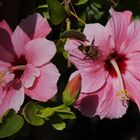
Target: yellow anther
[(1, 76), (123, 94)]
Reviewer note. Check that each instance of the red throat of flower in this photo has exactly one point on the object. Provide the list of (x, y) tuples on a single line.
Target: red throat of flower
[(116, 66)]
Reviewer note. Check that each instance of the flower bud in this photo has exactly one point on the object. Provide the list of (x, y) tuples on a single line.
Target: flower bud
[(72, 90)]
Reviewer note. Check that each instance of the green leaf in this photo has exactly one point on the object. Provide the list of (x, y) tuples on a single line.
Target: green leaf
[(46, 14), (81, 2), (60, 47), (64, 112), (47, 112), (97, 14), (74, 34), (43, 6), (91, 12), (62, 107), (31, 114), (66, 115), (97, 5), (56, 11), (11, 124), (0, 120), (58, 123)]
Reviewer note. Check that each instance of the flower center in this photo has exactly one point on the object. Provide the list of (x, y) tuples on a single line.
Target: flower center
[(5, 78), (18, 67), (120, 60), (116, 66)]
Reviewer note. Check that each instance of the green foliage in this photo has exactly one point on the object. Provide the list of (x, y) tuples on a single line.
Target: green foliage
[(81, 2), (47, 112), (60, 48), (43, 9), (92, 12), (73, 34), (30, 113), (37, 115), (58, 124), (67, 99), (57, 12), (0, 120), (64, 112), (11, 124), (57, 115)]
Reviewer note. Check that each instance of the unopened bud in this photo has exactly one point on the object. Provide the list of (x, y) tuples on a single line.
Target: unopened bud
[(72, 90)]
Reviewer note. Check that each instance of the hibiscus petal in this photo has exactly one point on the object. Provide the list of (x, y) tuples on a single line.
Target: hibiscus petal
[(4, 66), (13, 100), (112, 106), (2, 94), (74, 74), (34, 26), (132, 85), (118, 25), (29, 75), (45, 87), (133, 65), (92, 79), (6, 47), (87, 104), (76, 56), (100, 37), (104, 102), (4, 25), (132, 41), (39, 51)]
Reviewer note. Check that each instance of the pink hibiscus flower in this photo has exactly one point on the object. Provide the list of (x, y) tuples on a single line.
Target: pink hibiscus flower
[(25, 65), (109, 66)]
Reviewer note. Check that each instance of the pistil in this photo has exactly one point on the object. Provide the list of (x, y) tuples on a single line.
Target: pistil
[(123, 93), (19, 67)]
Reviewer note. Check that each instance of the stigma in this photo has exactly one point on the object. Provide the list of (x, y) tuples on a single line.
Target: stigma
[(19, 67)]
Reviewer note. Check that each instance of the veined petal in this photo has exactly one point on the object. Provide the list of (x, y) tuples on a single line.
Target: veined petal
[(112, 106), (92, 79), (76, 56), (4, 66), (132, 85), (132, 42), (13, 100), (104, 103), (29, 75), (4, 25), (45, 86), (100, 37), (118, 25), (2, 93), (133, 64), (39, 51), (6, 47), (87, 104), (34, 26)]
